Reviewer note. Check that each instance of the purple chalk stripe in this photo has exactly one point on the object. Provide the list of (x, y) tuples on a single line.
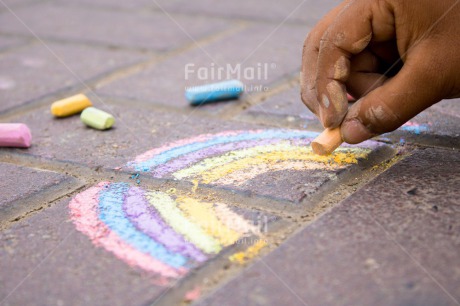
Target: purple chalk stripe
[(147, 219)]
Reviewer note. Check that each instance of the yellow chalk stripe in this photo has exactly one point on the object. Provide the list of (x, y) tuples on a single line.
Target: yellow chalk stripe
[(340, 157), (238, 178), (212, 162), (235, 221), (202, 214), (266, 158), (172, 215), (195, 185), (249, 254)]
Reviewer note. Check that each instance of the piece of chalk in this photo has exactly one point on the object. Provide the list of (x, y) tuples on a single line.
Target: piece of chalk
[(327, 142), (97, 118), (214, 92), (70, 106), (15, 135)]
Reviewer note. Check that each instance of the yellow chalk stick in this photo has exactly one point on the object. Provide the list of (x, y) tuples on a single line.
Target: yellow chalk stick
[(97, 118), (70, 106), (327, 142)]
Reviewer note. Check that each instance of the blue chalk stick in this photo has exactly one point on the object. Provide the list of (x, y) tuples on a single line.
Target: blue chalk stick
[(214, 92)]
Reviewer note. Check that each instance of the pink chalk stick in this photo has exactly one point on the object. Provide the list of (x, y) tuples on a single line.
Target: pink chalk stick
[(15, 135)]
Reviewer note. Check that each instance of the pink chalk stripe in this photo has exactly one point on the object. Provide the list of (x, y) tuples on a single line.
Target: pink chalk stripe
[(200, 138)]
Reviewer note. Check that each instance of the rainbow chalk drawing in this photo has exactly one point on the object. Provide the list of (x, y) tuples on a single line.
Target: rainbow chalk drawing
[(235, 157), (415, 128), (168, 232), (153, 231)]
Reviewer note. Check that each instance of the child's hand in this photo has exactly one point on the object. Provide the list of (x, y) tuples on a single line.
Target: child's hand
[(353, 49)]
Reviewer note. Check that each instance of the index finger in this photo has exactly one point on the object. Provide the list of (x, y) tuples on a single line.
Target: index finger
[(310, 59), (357, 24)]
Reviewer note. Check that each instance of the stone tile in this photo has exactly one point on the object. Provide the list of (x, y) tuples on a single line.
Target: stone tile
[(64, 266), (394, 242), (275, 163), (441, 119), (309, 12), (141, 30), (285, 109), (278, 53), (133, 4), (20, 184), (17, 3), (7, 42), (34, 72), (284, 104), (60, 257)]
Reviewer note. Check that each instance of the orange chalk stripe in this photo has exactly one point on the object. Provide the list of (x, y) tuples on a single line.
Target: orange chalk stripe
[(70, 106)]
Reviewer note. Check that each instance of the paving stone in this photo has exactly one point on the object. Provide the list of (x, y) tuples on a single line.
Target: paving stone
[(20, 184), (7, 42), (13, 4), (154, 31), (256, 48), (48, 259), (276, 163), (394, 242), (309, 11), (284, 108), (133, 4), (34, 72), (284, 104), (441, 119), (65, 267)]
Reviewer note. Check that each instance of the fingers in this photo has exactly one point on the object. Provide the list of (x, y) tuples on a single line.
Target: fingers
[(310, 59), (348, 35), (365, 74), (395, 102)]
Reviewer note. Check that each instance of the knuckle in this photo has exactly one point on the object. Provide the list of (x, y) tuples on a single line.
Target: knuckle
[(381, 118)]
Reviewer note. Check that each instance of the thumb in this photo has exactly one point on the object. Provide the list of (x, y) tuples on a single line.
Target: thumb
[(415, 88)]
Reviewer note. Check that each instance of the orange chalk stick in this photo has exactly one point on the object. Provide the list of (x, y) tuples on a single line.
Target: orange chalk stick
[(327, 142), (70, 106)]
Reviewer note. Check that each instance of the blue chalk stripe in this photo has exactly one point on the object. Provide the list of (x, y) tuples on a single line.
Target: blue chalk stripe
[(214, 92), (111, 213), (179, 151)]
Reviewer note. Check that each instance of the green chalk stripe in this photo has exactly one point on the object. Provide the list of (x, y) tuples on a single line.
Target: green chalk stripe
[(97, 119)]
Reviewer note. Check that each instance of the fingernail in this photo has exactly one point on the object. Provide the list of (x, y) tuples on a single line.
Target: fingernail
[(328, 119), (354, 132), (337, 97), (325, 101)]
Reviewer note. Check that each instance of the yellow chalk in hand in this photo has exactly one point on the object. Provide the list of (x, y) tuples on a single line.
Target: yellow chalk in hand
[(70, 106), (97, 118), (327, 142)]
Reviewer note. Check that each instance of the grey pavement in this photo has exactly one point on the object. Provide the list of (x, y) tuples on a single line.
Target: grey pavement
[(128, 216)]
